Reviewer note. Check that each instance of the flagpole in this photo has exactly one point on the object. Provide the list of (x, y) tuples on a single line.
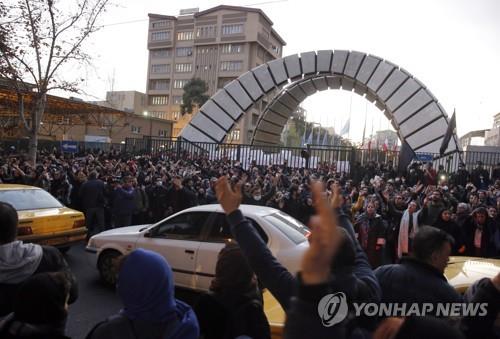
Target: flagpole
[(349, 119)]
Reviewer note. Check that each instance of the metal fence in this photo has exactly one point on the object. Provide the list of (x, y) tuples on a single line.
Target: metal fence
[(22, 145), (296, 157)]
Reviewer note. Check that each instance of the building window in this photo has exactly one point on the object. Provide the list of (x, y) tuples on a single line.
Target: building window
[(276, 49), (179, 84), (232, 29), (206, 32), (174, 116), (187, 35), (232, 48), (161, 35), (158, 99), (160, 24), (183, 68), (206, 50), (231, 66), (184, 51), (221, 82), (163, 132), (177, 99), (249, 136), (161, 53), (135, 129), (235, 135), (158, 114), (255, 119), (159, 84), (160, 68)]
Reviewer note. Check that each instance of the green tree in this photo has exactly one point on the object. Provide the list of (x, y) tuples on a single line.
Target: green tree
[(194, 94), (38, 38)]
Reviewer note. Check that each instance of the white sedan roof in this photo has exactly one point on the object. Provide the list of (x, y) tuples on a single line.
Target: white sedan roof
[(248, 210)]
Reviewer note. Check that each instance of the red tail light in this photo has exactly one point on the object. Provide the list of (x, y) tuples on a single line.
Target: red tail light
[(79, 223), (308, 234), (24, 230)]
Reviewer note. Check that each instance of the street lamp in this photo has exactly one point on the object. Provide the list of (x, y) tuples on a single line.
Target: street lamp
[(146, 114)]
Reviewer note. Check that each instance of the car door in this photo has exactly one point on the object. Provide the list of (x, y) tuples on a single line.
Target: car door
[(177, 239), (218, 234)]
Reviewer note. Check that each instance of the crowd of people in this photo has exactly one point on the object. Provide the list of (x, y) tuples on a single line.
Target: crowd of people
[(377, 235), (386, 207)]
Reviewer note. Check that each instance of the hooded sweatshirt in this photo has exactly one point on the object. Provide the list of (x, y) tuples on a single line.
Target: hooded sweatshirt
[(146, 288), (18, 261)]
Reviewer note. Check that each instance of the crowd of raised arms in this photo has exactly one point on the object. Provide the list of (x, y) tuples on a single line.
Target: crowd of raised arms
[(378, 235)]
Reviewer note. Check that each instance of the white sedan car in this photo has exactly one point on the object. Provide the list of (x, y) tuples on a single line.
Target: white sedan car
[(190, 240)]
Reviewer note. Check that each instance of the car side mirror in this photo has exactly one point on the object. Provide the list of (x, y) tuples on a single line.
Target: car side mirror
[(148, 234)]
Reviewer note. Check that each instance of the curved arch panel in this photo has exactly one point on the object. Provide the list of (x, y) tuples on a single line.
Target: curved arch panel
[(412, 109)]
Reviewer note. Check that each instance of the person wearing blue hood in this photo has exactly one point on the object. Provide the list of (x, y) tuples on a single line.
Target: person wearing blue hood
[(150, 311)]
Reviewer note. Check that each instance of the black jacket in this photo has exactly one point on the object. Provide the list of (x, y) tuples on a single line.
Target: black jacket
[(52, 261), (359, 284), (227, 316), (414, 281), (92, 194)]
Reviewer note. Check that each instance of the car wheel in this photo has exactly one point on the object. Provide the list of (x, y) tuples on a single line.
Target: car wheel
[(107, 267)]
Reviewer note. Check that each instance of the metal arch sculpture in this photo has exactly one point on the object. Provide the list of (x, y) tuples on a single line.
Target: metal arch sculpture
[(413, 111)]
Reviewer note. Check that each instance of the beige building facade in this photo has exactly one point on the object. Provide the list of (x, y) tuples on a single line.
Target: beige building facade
[(216, 45)]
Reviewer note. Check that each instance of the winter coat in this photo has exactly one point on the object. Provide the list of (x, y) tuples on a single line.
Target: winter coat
[(91, 194), (372, 236), (19, 261), (413, 281)]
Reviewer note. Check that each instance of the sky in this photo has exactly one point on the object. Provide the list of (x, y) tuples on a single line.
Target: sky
[(452, 46)]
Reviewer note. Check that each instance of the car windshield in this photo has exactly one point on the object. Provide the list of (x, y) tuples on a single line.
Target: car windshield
[(29, 199), (289, 226)]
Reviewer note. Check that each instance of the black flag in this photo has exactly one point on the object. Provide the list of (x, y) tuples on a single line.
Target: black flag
[(452, 126), (406, 155)]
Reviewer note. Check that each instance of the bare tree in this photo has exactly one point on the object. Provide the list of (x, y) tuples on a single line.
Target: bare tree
[(37, 39)]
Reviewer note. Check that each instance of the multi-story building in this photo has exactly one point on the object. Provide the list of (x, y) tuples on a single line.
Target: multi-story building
[(128, 101), (216, 45), (492, 136)]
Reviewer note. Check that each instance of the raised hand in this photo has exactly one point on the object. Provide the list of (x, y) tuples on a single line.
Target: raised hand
[(336, 200), (228, 198), (323, 242)]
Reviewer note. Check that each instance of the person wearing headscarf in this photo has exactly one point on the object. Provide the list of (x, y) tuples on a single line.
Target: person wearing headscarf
[(445, 223), (40, 308), (371, 232), (408, 227), (479, 234), (234, 305), (146, 288)]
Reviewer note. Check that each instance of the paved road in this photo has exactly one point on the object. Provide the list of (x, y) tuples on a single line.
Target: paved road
[(96, 302)]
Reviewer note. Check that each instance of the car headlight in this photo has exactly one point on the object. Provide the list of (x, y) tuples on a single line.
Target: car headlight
[(91, 243)]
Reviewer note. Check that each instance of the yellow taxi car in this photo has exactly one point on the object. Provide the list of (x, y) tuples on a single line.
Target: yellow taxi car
[(461, 273), (42, 218)]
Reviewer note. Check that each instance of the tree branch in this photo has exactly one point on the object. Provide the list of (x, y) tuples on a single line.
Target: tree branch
[(36, 44), (95, 12), (53, 42)]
